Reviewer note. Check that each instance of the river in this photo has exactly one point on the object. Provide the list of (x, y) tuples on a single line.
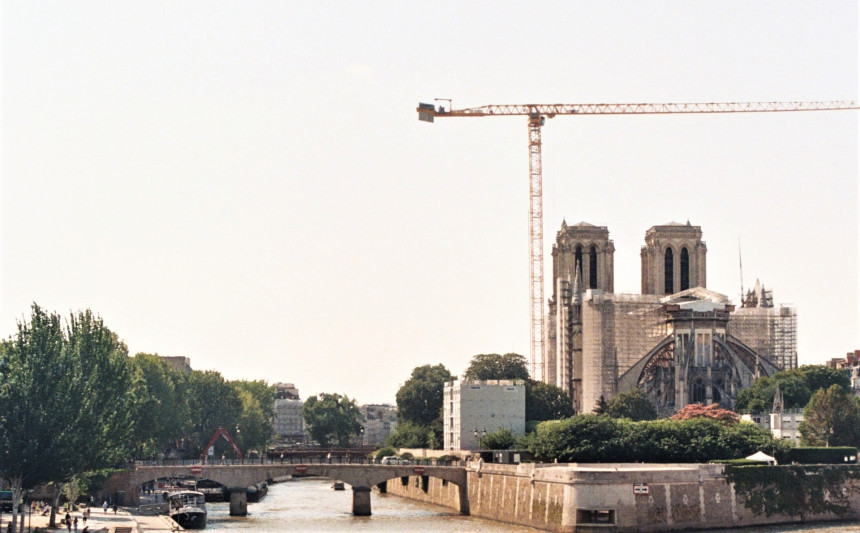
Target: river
[(311, 505)]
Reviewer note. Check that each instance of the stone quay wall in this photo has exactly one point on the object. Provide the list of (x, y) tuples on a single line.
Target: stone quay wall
[(604, 497)]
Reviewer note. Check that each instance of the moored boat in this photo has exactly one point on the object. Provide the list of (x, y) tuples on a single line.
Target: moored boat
[(187, 508), (257, 491)]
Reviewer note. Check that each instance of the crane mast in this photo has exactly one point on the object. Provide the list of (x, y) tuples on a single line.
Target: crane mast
[(537, 113)]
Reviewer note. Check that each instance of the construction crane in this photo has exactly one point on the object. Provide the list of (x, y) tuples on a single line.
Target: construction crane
[(537, 115)]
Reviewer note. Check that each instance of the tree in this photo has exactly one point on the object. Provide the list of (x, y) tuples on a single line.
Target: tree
[(211, 403), (331, 418), (419, 400), (502, 439), (545, 401), (258, 412), (634, 405), (713, 411), (601, 406), (409, 435), (832, 418), (823, 377), (161, 412), (65, 402), (495, 366)]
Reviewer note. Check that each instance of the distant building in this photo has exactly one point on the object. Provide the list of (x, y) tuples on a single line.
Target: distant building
[(851, 365), (182, 364), (289, 424), (378, 421), (474, 408), (782, 423)]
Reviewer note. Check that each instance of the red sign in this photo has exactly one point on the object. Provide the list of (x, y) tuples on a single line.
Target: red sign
[(196, 470), (301, 469), (418, 470)]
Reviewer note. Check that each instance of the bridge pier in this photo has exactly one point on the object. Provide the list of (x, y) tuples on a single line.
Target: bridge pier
[(239, 501), (360, 501)]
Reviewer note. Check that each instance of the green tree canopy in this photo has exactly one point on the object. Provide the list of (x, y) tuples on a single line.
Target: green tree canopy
[(495, 366), (502, 439), (331, 419), (419, 400), (410, 435), (547, 402), (65, 401), (796, 385), (161, 411), (212, 403), (591, 438), (633, 404), (258, 412), (832, 418)]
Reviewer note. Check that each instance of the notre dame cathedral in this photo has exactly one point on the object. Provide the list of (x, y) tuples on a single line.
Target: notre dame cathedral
[(677, 341)]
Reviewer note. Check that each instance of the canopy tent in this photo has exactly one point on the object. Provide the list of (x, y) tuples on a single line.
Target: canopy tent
[(761, 456)]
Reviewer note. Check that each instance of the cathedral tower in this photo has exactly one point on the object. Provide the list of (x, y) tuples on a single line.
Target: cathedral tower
[(673, 259), (582, 259)]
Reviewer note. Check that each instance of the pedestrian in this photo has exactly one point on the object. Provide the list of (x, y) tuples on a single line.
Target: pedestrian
[(68, 522), (85, 515), (75, 523), (114, 507), (104, 507)]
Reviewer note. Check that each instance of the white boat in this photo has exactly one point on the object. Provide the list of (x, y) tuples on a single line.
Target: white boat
[(187, 508)]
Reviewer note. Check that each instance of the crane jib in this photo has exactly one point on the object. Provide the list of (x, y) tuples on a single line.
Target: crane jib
[(536, 114)]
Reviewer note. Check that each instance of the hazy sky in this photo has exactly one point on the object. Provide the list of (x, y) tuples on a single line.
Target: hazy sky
[(247, 184)]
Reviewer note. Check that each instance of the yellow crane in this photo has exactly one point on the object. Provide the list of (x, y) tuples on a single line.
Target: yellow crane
[(537, 114)]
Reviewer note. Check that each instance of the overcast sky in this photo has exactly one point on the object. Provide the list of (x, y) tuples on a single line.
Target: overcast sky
[(247, 184)]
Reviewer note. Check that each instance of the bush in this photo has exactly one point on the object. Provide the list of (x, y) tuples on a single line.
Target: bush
[(408, 456), (386, 452), (819, 455)]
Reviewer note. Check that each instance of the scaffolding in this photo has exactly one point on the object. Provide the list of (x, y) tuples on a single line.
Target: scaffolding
[(770, 331)]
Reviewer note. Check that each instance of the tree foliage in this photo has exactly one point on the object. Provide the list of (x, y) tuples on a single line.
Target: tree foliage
[(65, 406), (599, 438), (331, 419), (257, 415), (832, 418), (495, 366), (502, 439), (545, 401), (419, 399), (796, 385), (409, 435), (634, 405)]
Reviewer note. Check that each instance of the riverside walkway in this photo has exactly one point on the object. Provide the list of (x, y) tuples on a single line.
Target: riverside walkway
[(99, 522)]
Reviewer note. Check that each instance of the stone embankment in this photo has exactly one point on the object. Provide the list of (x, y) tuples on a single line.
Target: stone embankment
[(610, 497)]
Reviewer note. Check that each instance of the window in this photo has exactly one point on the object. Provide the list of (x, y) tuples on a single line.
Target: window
[(577, 257), (668, 272), (685, 269), (592, 268), (698, 391)]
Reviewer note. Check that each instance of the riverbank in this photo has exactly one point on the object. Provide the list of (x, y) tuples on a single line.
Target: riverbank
[(99, 522)]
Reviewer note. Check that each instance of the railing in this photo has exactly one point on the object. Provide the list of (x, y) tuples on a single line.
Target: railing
[(309, 459)]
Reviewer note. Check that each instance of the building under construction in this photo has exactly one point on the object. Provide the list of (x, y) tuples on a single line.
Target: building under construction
[(677, 341)]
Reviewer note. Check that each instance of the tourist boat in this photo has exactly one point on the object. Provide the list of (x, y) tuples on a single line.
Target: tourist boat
[(187, 508), (337, 485)]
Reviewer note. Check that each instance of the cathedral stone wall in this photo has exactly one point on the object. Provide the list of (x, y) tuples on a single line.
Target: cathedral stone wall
[(599, 366)]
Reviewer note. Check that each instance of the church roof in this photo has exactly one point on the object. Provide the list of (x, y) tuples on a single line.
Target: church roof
[(695, 294)]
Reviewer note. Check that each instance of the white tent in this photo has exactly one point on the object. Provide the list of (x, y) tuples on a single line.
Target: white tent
[(761, 456)]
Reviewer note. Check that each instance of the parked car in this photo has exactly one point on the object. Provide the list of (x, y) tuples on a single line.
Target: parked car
[(394, 460)]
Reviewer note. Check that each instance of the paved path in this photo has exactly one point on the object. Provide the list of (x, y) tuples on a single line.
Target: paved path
[(100, 522)]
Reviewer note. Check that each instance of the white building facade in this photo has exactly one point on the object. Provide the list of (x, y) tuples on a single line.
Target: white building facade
[(474, 408)]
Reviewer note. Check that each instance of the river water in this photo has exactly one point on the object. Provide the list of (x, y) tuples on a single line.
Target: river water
[(311, 505)]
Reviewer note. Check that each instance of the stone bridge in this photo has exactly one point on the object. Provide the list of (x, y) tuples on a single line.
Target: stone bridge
[(237, 479)]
